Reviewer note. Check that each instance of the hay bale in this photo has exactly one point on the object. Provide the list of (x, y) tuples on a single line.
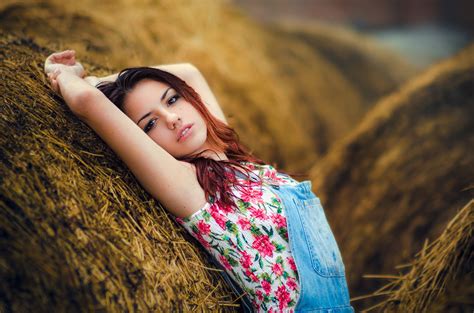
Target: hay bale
[(398, 177), (353, 71), (77, 232), (287, 101), (372, 68), (441, 277)]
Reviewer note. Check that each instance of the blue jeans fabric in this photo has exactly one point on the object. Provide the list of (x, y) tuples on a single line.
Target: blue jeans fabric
[(321, 271)]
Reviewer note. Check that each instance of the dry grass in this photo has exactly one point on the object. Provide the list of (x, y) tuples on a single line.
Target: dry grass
[(441, 277), (398, 177), (78, 233), (362, 70)]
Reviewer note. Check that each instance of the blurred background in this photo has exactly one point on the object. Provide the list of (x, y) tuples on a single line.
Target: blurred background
[(423, 31)]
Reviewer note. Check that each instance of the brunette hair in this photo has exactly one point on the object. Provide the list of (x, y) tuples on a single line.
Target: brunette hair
[(215, 177)]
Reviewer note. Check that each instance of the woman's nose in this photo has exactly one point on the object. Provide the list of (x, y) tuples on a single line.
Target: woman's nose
[(172, 120)]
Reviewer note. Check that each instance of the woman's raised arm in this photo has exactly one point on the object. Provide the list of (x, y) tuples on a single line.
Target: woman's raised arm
[(168, 180), (187, 72)]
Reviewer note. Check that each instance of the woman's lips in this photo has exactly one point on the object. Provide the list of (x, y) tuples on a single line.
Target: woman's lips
[(185, 132)]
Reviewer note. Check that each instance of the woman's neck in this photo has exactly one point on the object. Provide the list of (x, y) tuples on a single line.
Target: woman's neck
[(212, 154)]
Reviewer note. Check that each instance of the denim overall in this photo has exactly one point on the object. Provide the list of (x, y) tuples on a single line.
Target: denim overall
[(321, 271)]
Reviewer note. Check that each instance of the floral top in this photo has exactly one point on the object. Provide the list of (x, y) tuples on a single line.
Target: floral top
[(251, 242)]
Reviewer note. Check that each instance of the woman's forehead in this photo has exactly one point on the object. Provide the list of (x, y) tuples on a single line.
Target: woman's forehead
[(146, 91), (149, 85)]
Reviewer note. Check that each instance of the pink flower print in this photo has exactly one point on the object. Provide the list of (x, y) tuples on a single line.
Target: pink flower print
[(250, 274), (204, 228), (252, 195), (283, 297), (267, 287), (279, 220), (202, 241), (263, 245), (259, 294), (229, 175), (258, 213), (227, 209), (245, 260), (255, 304), (244, 223), (254, 184), (219, 218), (225, 262), (277, 269), (272, 175), (291, 261), (250, 166), (291, 283), (214, 208)]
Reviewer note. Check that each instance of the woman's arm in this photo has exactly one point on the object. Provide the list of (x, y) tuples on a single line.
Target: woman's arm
[(168, 180), (187, 72), (183, 70)]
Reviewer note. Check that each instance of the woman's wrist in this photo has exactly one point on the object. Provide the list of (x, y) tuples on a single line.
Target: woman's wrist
[(74, 90)]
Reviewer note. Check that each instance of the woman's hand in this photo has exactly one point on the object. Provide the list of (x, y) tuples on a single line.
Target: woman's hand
[(67, 78), (62, 62)]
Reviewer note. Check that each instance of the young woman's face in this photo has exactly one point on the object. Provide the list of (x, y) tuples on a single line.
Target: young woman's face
[(167, 118)]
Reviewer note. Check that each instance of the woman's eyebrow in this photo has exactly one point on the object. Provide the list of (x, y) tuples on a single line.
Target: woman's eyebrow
[(161, 99)]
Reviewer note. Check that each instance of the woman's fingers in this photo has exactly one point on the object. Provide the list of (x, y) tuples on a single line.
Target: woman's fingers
[(63, 57), (66, 57), (62, 54), (57, 59), (64, 61), (55, 85), (53, 81)]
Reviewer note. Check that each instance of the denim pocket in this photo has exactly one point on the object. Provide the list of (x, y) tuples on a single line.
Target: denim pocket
[(325, 255)]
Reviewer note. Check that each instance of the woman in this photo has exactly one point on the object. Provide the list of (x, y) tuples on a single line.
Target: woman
[(265, 229)]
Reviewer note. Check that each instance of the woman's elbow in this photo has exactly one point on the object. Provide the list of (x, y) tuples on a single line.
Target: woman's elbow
[(192, 67)]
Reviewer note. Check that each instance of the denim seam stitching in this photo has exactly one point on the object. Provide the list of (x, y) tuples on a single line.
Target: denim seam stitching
[(313, 255), (300, 277)]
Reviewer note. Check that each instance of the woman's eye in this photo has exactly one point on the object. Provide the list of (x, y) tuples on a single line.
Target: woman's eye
[(173, 99), (150, 125)]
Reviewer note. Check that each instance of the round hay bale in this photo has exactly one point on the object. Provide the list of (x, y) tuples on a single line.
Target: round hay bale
[(374, 69), (77, 232), (342, 72), (399, 176), (441, 277)]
